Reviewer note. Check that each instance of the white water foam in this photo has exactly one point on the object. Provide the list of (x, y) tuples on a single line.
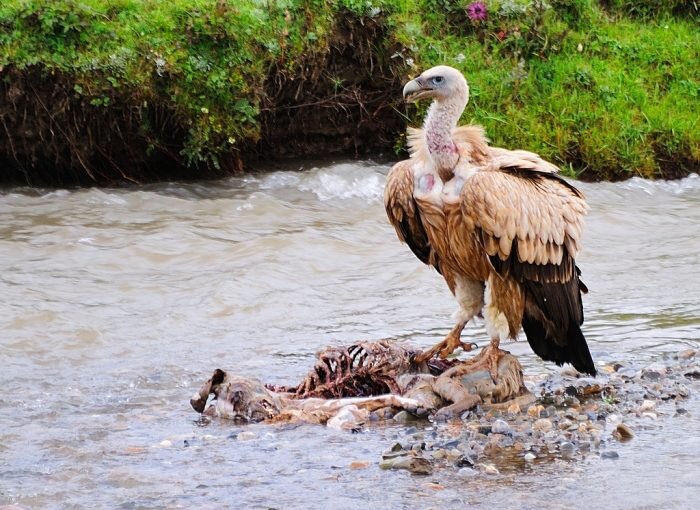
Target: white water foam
[(345, 181)]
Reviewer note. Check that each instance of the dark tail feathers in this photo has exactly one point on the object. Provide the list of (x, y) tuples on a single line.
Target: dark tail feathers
[(571, 349)]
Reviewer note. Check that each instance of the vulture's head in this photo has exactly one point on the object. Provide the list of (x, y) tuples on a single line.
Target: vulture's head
[(441, 83)]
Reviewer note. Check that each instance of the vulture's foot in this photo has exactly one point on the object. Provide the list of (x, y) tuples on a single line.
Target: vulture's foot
[(488, 358), (451, 343)]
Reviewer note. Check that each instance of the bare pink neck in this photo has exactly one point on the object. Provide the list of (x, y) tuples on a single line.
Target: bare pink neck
[(442, 118)]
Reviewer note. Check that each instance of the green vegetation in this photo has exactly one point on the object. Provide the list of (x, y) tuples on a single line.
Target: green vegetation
[(101, 90)]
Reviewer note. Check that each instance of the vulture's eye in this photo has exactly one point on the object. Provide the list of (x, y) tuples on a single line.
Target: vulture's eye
[(438, 80)]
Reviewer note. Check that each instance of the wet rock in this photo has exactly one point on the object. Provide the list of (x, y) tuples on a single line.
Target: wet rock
[(466, 461), (488, 469), (416, 465), (535, 411), (565, 425), (418, 447), (453, 455), (567, 450), (485, 429), (609, 455), (653, 373), (687, 354), (449, 445), (542, 425), (571, 391), (623, 432), (383, 414), (683, 391), (440, 453), (404, 417), (627, 373), (500, 427)]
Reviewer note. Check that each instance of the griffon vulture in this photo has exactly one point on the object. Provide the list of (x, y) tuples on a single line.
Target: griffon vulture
[(500, 226)]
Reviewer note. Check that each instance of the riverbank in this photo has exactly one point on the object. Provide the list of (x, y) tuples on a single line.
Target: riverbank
[(95, 92)]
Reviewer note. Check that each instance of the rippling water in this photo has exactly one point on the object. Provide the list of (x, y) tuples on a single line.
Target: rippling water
[(118, 304)]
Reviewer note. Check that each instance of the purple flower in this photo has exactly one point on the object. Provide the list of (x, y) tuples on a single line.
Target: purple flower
[(476, 11)]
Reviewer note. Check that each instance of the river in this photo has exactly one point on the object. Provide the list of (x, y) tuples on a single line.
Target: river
[(119, 303)]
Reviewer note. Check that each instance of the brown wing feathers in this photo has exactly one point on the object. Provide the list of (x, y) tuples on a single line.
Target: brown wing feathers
[(404, 213), (530, 224)]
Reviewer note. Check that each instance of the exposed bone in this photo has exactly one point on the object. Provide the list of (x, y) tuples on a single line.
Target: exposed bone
[(346, 384)]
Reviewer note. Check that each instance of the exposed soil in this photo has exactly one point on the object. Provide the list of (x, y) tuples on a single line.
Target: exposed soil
[(341, 101)]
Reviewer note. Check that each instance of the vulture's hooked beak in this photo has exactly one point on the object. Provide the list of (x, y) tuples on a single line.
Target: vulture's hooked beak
[(415, 90)]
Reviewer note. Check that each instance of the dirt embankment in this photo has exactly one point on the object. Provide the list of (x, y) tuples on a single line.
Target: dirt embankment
[(342, 101)]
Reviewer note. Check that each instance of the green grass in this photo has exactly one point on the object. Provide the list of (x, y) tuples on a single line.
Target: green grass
[(605, 89)]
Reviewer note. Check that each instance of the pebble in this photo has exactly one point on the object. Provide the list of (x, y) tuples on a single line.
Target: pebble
[(404, 417), (623, 432), (359, 464), (653, 373), (396, 447), (453, 455), (542, 425), (465, 461), (489, 469), (416, 465), (647, 406), (535, 411), (563, 425), (439, 454), (166, 443), (567, 450), (627, 373), (418, 447), (500, 427), (687, 354)]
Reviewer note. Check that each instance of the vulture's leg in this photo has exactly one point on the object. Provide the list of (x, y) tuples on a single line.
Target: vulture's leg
[(470, 296), (451, 342)]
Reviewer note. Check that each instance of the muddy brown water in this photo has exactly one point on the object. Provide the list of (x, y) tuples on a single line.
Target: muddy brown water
[(118, 303)]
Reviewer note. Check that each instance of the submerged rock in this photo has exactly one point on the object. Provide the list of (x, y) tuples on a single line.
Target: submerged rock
[(623, 432)]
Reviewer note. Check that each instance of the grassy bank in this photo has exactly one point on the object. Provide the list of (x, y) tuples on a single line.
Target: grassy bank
[(98, 91)]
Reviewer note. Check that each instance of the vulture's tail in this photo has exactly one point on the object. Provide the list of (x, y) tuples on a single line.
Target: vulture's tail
[(552, 319)]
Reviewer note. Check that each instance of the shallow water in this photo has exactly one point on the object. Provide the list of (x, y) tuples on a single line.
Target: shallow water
[(118, 304)]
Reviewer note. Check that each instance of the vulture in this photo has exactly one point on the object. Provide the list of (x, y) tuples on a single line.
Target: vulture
[(501, 227)]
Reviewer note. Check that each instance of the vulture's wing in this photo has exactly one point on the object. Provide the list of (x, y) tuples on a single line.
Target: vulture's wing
[(530, 221), (404, 214)]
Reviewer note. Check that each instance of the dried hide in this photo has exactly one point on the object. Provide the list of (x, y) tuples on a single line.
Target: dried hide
[(346, 385)]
